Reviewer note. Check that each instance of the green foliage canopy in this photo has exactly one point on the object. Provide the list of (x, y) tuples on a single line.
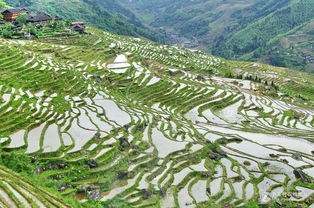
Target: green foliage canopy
[(21, 20)]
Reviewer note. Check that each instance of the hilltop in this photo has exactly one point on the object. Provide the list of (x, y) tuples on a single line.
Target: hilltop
[(102, 120)]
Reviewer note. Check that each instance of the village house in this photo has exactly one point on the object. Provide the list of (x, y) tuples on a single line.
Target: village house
[(78, 27), (58, 18), (39, 19), (9, 15)]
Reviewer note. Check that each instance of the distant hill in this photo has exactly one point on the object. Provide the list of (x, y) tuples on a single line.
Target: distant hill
[(266, 36), (104, 14), (239, 29)]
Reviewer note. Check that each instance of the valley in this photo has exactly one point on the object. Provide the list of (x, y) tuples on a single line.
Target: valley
[(239, 30)]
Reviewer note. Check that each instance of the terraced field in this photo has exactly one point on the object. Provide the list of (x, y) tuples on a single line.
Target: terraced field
[(18, 192), (113, 121)]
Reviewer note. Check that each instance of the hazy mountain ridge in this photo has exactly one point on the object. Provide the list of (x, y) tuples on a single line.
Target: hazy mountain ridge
[(246, 30)]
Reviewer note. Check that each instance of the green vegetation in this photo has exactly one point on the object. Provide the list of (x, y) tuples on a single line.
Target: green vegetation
[(276, 32), (106, 15), (20, 29), (102, 120), (21, 20), (258, 38), (2, 4)]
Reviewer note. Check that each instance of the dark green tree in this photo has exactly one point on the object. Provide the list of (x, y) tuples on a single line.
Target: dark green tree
[(2, 4), (32, 30), (6, 33), (53, 24), (68, 23), (21, 20)]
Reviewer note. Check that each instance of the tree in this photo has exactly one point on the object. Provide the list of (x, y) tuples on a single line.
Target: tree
[(7, 26), (53, 24), (68, 23), (32, 30), (21, 20), (61, 24), (2, 4), (6, 33), (6, 30)]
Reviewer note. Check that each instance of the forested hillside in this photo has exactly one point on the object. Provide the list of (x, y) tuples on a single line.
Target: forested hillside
[(257, 38), (202, 19), (239, 29), (104, 14)]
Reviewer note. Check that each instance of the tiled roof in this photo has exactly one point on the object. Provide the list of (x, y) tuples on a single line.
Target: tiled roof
[(78, 23), (13, 11), (40, 16)]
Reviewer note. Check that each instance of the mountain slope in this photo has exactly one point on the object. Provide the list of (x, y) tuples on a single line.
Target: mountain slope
[(266, 30), (294, 50), (104, 14), (245, 30), (114, 121), (203, 19)]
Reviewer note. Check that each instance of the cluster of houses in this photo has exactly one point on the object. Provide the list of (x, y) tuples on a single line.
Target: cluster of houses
[(39, 19), (308, 58)]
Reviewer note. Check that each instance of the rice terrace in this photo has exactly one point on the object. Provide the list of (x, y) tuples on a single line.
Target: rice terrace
[(103, 120)]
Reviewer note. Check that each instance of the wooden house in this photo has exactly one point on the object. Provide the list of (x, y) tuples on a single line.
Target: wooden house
[(78, 27), (58, 18), (39, 19), (78, 23), (9, 15)]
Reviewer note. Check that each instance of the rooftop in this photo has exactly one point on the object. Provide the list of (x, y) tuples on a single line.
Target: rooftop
[(40, 16), (78, 27), (78, 23), (14, 11)]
